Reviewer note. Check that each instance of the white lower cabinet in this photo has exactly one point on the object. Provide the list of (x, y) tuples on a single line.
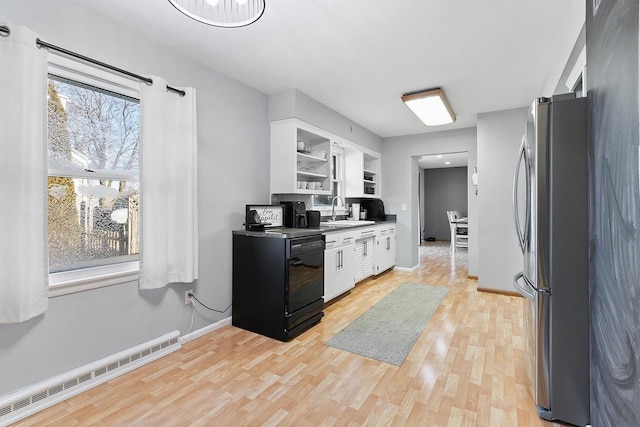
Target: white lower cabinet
[(385, 248), (352, 256), (364, 258), (338, 265)]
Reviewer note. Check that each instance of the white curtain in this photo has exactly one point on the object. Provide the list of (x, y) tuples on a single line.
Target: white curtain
[(168, 191), (23, 167)]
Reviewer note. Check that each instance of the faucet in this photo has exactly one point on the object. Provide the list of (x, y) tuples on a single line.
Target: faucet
[(333, 207)]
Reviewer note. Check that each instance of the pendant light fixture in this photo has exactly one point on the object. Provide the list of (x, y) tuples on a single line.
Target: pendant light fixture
[(222, 13), (430, 106)]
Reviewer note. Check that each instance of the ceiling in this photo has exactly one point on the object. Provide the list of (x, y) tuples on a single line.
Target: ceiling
[(444, 160), (359, 56)]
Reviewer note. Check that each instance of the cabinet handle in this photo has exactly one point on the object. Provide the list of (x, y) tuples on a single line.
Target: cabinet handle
[(364, 248), (388, 243), (337, 260), (341, 258)]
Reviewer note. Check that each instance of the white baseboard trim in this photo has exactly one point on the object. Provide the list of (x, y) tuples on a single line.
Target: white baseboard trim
[(405, 269), (206, 330), (43, 394)]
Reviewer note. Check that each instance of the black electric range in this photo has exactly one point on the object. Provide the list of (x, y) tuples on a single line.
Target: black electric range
[(278, 280)]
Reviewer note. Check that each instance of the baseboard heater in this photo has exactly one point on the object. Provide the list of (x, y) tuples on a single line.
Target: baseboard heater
[(36, 397)]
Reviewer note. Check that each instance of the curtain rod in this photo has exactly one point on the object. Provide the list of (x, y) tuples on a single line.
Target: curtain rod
[(5, 31)]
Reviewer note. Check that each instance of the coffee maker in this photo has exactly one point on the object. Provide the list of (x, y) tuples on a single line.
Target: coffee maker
[(295, 214)]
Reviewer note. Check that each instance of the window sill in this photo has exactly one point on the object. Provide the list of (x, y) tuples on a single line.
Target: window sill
[(70, 282)]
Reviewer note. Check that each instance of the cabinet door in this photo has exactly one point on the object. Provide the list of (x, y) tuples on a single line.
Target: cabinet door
[(347, 270), (331, 273), (358, 262), (369, 256), (392, 247), (379, 244), (354, 172), (386, 250), (381, 252), (364, 262)]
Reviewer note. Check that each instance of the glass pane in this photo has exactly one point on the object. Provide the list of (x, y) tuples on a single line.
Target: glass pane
[(90, 128), (322, 201), (319, 201), (92, 222)]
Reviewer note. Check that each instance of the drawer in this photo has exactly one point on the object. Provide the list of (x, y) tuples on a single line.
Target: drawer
[(348, 237), (363, 233), (332, 240), (386, 230)]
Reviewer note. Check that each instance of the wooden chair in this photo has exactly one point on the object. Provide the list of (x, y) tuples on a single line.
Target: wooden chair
[(459, 237)]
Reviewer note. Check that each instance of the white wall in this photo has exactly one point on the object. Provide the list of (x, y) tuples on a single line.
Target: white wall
[(294, 103), (499, 257), (400, 177), (444, 189), (421, 211), (472, 214), (233, 132)]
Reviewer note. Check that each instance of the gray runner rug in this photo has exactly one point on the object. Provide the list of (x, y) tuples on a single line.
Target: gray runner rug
[(389, 329)]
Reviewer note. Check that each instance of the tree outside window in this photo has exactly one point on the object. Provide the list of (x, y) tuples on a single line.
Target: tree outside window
[(93, 190)]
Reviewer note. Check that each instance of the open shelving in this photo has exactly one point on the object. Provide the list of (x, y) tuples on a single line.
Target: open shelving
[(294, 170), (363, 176)]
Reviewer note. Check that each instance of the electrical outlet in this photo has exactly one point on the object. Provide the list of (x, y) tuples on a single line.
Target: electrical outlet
[(187, 298)]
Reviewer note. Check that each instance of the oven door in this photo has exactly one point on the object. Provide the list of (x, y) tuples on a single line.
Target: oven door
[(305, 272)]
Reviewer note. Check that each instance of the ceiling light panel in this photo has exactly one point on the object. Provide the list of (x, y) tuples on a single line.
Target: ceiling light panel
[(431, 107)]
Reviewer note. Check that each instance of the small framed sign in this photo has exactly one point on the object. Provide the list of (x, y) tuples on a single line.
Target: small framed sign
[(269, 216)]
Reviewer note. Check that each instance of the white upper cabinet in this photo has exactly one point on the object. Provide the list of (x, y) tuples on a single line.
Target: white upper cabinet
[(301, 162), (300, 155), (362, 173)]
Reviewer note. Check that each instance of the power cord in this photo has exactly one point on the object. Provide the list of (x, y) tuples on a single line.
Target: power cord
[(193, 314), (207, 307)]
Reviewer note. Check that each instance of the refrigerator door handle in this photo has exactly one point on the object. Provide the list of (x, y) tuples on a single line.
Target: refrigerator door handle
[(525, 290), (516, 215), (529, 189)]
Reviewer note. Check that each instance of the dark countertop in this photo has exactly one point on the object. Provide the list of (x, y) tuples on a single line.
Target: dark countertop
[(336, 228), (287, 233), (280, 233)]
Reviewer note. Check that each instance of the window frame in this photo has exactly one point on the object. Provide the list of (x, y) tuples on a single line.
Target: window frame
[(340, 179), (72, 281)]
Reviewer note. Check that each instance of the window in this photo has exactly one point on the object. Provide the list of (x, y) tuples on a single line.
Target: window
[(93, 190), (337, 181)]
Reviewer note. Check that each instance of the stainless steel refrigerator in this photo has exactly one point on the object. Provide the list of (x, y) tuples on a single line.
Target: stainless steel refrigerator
[(550, 203)]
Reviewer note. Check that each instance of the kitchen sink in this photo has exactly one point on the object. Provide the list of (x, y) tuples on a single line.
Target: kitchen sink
[(345, 223)]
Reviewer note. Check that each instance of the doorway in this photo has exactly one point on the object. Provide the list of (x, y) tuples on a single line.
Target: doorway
[(443, 186)]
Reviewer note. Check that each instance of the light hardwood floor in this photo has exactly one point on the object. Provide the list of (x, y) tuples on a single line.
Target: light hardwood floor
[(465, 370)]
